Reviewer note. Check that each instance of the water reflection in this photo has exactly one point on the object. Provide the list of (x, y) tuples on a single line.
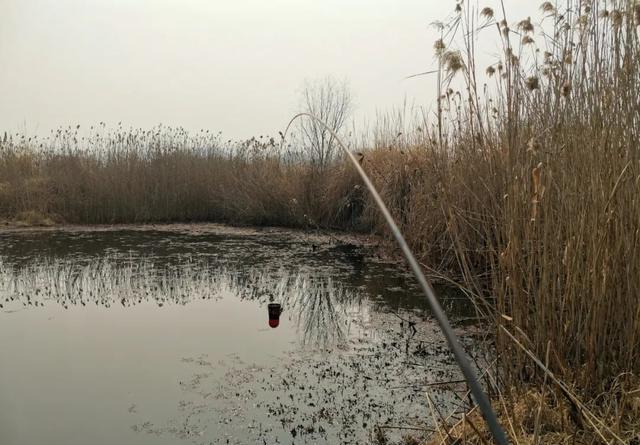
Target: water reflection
[(104, 283), (211, 248), (184, 352), (318, 306)]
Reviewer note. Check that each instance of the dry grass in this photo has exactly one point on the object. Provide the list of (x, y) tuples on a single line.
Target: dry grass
[(166, 175), (534, 189), (540, 416), (525, 191)]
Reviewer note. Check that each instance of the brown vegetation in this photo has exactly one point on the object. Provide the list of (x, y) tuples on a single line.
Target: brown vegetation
[(162, 175), (525, 192)]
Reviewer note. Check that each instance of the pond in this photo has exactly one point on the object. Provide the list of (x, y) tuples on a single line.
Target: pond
[(161, 335)]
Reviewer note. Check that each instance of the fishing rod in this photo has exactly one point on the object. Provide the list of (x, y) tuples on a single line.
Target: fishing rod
[(470, 376)]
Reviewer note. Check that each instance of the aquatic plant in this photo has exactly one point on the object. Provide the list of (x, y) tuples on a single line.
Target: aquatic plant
[(522, 190)]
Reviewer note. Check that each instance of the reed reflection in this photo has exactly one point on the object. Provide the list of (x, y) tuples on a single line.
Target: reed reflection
[(320, 308)]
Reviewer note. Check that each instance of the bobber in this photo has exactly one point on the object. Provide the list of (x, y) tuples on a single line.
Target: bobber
[(275, 309)]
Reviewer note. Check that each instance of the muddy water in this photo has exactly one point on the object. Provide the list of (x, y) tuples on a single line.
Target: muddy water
[(146, 335)]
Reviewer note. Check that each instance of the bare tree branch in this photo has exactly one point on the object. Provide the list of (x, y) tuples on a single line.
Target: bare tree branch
[(331, 102)]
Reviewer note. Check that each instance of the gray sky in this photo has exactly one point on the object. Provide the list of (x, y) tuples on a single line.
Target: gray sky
[(234, 66)]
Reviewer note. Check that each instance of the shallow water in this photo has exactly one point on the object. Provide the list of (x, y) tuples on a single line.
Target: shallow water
[(153, 336)]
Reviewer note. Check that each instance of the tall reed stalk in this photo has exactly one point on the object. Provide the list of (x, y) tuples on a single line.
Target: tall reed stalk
[(522, 188)]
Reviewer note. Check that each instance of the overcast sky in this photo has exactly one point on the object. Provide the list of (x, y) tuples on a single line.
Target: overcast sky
[(234, 66)]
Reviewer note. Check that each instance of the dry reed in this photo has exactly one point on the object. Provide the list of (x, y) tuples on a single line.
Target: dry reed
[(525, 192)]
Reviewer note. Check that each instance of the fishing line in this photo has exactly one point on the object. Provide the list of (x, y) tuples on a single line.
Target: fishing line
[(454, 344)]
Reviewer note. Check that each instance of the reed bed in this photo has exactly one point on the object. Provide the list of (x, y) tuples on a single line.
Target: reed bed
[(531, 198), (158, 175), (522, 188)]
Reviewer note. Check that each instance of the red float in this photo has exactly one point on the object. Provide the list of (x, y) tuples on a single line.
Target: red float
[(275, 309)]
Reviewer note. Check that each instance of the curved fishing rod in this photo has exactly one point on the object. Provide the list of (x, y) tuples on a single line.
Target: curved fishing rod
[(463, 362)]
